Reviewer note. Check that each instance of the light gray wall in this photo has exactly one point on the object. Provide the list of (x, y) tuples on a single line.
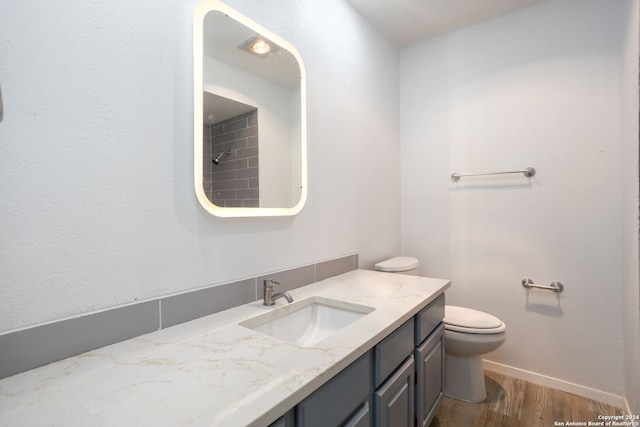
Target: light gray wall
[(96, 155), (629, 164), (542, 88)]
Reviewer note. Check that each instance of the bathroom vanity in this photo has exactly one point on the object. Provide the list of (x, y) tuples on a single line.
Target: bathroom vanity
[(229, 369), (399, 379)]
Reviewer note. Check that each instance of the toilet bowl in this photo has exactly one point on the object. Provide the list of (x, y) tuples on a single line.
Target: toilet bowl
[(468, 335)]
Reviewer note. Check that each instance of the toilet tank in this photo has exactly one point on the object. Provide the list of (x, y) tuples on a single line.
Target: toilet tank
[(401, 264)]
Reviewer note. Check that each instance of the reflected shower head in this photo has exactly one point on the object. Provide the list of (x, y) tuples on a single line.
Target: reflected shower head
[(216, 161)]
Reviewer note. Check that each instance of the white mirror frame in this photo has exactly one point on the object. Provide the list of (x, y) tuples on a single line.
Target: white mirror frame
[(202, 8)]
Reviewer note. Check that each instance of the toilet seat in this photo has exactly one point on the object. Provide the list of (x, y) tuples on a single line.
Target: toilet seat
[(470, 321)]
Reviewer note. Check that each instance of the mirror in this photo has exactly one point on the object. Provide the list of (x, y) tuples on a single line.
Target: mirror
[(249, 117)]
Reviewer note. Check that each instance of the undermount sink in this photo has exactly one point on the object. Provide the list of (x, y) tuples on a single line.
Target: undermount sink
[(308, 321)]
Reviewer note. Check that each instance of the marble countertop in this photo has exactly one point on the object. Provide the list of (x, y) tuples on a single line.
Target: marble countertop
[(211, 371)]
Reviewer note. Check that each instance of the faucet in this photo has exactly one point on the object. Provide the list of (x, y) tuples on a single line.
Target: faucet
[(269, 297)]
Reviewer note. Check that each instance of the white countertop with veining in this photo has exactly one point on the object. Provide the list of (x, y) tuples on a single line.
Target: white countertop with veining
[(211, 371)]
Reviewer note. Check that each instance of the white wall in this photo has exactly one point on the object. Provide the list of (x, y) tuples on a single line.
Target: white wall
[(96, 147), (541, 88), (629, 184)]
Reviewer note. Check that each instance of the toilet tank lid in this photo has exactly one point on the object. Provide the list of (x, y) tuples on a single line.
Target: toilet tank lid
[(469, 318), (400, 263)]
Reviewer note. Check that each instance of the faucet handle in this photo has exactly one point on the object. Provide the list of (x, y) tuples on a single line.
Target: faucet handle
[(269, 292), (270, 283)]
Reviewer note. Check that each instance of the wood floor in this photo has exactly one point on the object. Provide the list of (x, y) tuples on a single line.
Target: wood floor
[(512, 402)]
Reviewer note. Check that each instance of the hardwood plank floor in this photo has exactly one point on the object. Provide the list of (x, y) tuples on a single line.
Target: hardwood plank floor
[(518, 403)]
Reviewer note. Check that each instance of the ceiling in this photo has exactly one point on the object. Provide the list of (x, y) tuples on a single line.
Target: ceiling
[(405, 22)]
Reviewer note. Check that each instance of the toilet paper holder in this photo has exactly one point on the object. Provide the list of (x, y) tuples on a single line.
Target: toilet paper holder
[(527, 282)]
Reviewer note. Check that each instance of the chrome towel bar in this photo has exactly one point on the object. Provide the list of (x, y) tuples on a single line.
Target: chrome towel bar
[(528, 172), (527, 282)]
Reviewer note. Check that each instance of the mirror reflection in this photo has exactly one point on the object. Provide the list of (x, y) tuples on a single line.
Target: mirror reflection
[(230, 160), (251, 138)]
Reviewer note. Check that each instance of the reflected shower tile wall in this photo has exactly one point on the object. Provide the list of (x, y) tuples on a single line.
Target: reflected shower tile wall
[(207, 176), (235, 179)]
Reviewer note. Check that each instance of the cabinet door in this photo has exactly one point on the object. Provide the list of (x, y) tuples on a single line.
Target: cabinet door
[(430, 376), (362, 418), (287, 420), (340, 400), (394, 400)]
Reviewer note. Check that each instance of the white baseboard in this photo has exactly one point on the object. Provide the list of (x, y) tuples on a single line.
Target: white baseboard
[(627, 408), (543, 380)]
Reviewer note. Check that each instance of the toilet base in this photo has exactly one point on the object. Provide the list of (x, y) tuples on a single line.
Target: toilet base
[(464, 378)]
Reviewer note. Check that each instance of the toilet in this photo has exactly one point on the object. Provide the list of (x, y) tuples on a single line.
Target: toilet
[(468, 335)]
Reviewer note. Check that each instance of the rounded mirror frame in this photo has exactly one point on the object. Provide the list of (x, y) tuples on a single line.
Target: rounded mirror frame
[(202, 9)]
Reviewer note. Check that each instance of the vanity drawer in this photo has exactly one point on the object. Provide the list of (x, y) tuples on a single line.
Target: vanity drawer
[(392, 351), (345, 394), (428, 319)]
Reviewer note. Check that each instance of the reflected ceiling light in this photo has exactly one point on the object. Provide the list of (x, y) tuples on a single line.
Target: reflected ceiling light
[(258, 46)]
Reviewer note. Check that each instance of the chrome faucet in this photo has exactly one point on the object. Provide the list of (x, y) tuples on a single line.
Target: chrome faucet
[(269, 297)]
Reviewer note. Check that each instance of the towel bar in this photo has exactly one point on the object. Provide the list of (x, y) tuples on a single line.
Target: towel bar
[(555, 286), (528, 172)]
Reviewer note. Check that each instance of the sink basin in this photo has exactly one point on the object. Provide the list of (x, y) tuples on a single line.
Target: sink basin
[(308, 321)]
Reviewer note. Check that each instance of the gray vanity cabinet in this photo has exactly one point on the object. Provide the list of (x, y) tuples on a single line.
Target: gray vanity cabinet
[(429, 376), (343, 401), (393, 401), (429, 359), (394, 377), (398, 382)]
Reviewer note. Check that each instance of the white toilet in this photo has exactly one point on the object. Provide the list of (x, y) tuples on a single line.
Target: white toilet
[(468, 335)]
